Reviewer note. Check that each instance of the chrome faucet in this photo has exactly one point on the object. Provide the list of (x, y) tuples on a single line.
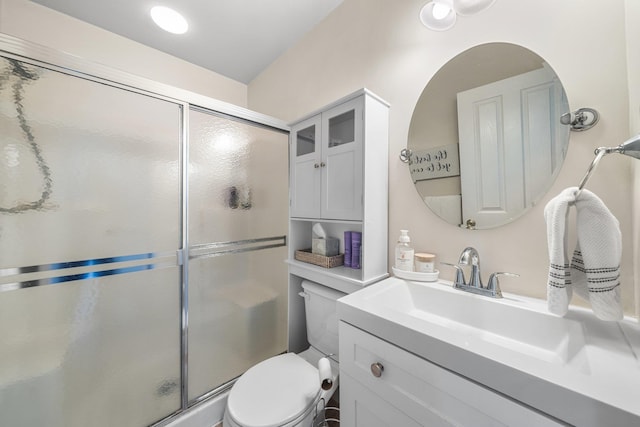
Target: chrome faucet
[(470, 256)]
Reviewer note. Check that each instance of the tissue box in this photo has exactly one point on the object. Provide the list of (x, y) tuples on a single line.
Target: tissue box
[(327, 247)]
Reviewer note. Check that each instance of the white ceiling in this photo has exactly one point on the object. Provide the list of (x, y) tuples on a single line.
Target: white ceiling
[(235, 38)]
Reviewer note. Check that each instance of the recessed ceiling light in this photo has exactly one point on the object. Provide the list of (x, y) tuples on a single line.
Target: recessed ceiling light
[(440, 11), (169, 20), (438, 15)]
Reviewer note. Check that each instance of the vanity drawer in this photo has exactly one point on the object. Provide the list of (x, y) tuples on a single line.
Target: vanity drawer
[(421, 390)]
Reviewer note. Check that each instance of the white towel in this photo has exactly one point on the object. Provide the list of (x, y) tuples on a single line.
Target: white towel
[(594, 270), (559, 288)]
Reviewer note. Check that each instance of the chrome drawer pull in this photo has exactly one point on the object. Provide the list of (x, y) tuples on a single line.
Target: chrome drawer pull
[(377, 369)]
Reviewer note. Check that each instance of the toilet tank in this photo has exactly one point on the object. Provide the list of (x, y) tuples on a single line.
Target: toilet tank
[(322, 317)]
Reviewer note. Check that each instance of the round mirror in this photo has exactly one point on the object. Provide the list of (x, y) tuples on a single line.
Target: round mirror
[(485, 141)]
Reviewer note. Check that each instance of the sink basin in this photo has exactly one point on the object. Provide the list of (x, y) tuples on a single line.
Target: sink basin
[(576, 368), (477, 319)]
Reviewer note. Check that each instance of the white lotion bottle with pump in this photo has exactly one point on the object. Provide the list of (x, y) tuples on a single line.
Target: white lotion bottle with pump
[(404, 252)]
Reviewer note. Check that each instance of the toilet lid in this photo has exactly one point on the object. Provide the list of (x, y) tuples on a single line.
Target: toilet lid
[(274, 391)]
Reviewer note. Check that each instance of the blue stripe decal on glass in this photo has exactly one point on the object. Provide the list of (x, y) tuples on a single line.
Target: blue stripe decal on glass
[(81, 276), (83, 263), (95, 274)]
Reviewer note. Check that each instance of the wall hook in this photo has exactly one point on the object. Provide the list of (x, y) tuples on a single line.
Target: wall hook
[(581, 119)]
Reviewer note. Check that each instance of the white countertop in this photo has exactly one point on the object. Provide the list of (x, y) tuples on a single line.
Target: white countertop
[(580, 370)]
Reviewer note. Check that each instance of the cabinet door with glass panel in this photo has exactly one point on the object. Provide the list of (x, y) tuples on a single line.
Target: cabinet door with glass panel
[(327, 162), (305, 168)]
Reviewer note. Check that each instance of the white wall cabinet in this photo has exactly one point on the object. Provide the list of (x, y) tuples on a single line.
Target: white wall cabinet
[(327, 162), (339, 178), (412, 391)]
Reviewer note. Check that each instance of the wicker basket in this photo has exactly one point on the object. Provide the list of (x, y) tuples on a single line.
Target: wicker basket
[(305, 255)]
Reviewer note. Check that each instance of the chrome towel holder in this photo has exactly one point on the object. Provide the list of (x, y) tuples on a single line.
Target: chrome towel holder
[(630, 147)]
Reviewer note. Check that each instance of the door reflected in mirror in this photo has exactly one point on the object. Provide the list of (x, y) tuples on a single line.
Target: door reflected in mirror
[(485, 138)]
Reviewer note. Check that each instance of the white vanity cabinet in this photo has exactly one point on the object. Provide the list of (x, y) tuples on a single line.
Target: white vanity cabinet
[(384, 385)]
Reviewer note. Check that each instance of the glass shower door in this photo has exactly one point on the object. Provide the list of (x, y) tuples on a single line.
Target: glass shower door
[(89, 228), (238, 203)]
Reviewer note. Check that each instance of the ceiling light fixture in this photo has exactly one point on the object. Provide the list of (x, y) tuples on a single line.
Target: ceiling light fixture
[(169, 20), (440, 15)]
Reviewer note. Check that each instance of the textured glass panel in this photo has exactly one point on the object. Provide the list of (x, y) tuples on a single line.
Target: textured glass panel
[(237, 302), (306, 141), (86, 170), (99, 352), (342, 129), (237, 315), (238, 184)]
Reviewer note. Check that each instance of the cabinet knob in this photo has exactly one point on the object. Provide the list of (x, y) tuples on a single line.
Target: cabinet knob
[(315, 165), (322, 165), (377, 369)]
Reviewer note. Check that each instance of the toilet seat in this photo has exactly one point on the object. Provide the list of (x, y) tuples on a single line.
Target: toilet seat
[(274, 392)]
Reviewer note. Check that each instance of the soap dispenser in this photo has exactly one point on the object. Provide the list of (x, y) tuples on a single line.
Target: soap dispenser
[(404, 252)]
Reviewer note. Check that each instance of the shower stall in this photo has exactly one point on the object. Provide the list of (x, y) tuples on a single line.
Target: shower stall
[(142, 243)]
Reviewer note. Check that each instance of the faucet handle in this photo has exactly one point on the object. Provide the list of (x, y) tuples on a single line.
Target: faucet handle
[(459, 274), (494, 285)]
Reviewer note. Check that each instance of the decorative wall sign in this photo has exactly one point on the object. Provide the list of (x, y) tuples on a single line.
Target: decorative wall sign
[(436, 162)]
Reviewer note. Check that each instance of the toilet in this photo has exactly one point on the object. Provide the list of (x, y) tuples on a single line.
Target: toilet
[(285, 390)]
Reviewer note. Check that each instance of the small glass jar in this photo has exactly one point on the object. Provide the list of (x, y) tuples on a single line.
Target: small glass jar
[(424, 263)]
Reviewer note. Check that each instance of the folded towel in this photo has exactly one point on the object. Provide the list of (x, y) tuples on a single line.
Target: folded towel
[(595, 266), (559, 289), (594, 270)]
